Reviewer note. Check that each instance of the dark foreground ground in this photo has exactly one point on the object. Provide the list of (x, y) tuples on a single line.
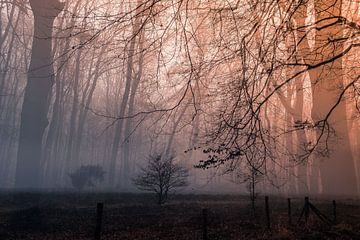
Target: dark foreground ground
[(134, 216)]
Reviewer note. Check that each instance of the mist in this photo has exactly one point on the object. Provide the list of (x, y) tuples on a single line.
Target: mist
[(245, 98), (105, 83)]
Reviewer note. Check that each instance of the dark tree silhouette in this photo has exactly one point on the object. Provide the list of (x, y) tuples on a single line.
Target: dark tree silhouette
[(37, 94), (87, 176), (161, 175)]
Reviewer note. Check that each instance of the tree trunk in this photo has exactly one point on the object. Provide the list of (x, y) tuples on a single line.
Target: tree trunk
[(126, 170), (86, 101), (74, 112), (37, 95), (123, 105), (337, 169)]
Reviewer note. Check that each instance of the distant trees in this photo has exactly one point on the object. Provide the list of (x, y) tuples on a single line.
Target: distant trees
[(161, 175), (279, 73), (87, 176), (275, 78)]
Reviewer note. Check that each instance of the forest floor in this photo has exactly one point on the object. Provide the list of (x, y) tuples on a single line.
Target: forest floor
[(135, 216)]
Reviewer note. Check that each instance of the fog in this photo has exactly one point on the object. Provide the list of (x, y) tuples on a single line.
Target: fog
[(248, 96)]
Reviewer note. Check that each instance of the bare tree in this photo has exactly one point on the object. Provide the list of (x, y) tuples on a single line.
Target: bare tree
[(161, 175), (251, 174)]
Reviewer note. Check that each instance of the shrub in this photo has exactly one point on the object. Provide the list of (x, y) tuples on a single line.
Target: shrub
[(87, 176)]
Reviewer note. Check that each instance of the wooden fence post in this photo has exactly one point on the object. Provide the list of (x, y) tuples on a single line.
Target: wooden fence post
[(289, 211), (99, 215), (267, 211), (306, 209), (205, 223), (334, 211)]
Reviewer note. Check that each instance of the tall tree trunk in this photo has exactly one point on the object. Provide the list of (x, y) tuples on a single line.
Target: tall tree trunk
[(50, 159), (124, 103), (337, 170), (3, 37), (301, 181), (177, 121), (74, 111), (37, 94), (8, 80), (126, 170), (85, 103)]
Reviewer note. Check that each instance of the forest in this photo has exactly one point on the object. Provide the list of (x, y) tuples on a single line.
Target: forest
[(217, 97)]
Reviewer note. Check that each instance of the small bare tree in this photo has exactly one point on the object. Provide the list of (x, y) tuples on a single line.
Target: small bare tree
[(161, 175), (251, 177)]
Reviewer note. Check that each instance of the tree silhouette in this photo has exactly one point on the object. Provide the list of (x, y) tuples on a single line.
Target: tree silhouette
[(87, 176), (161, 175), (37, 96)]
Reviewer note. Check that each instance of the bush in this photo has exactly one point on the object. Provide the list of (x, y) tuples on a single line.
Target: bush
[(87, 176)]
